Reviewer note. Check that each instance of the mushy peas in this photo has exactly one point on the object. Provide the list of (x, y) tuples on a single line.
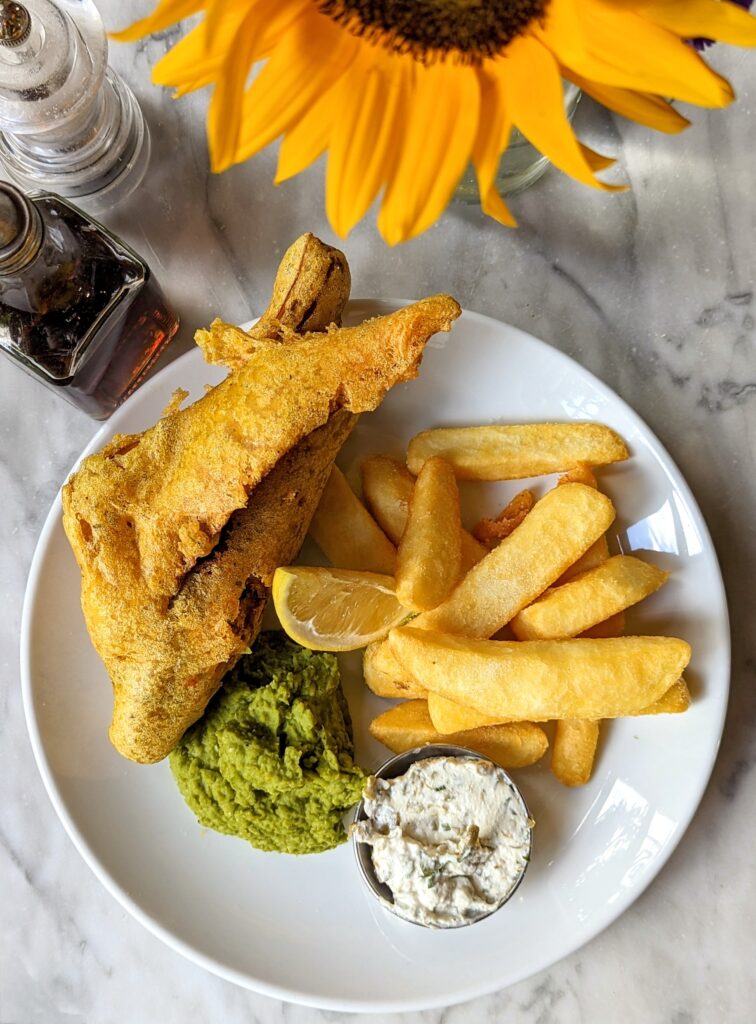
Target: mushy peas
[(271, 759)]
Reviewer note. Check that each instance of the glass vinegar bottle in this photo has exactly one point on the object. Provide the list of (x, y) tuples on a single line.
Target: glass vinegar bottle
[(79, 310)]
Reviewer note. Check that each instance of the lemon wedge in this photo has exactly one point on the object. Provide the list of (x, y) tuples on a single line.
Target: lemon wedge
[(335, 609)]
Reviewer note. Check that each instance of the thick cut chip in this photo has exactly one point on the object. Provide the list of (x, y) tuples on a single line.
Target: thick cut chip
[(588, 599), (448, 716), (561, 526), (346, 533), (673, 702), (540, 680), (385, 676), (387, 489), (568, 736), (596, 554), (516, 451), (430, 552), (408, 725), (613, 626), (574, 750), (580, 474), (491, 532)]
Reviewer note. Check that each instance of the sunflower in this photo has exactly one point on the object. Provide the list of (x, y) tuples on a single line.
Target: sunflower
[(405, 94)]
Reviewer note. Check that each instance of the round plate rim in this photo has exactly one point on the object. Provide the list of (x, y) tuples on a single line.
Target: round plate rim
[(374, 307)]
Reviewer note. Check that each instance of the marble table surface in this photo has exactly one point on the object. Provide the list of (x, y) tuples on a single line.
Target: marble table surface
[(652, 290)]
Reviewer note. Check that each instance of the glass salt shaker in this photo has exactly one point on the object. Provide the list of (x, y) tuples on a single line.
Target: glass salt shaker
[(68, 123), (79, 310)]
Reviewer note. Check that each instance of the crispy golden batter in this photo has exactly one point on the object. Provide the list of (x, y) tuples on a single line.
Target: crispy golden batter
[(167, 658), (309, 294), (167, 493), (177, 530)]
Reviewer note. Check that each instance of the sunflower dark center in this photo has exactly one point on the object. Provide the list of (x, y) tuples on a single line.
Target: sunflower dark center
[(473, 29)]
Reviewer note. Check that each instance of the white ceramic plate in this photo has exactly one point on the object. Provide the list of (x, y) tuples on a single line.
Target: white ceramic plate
[(304, 929)]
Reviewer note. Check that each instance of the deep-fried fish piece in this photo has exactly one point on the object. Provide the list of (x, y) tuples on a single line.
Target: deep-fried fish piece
[(309, 294), (167, 657), (160, 522), (216, 615), (172, 489)]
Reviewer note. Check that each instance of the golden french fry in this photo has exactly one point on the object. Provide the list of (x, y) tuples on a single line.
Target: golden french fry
[(429, 556), (580, 474), (539, 680), (387, 489), (673, 702), (346, 533), (596, 554), (448, 716), (408, 725), (518, 450), (491, 531), (613, 626), (472, 552), (574, 750), (592, 597), (561, 526), (385, 676)]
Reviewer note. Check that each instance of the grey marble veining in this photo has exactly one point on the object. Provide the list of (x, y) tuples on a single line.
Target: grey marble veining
[(653, 290)]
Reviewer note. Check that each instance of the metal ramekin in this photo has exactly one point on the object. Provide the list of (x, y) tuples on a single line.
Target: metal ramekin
[(396, 766)]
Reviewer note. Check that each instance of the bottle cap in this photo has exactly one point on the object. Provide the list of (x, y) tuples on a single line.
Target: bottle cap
[(20, 229), (15, 23)]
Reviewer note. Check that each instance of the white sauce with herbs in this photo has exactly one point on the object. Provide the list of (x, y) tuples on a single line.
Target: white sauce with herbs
[(450, 838)]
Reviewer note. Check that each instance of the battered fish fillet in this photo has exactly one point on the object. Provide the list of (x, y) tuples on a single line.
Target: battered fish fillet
[(177, 531)]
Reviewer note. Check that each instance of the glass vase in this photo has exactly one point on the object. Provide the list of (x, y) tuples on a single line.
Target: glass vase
[(521, 163)]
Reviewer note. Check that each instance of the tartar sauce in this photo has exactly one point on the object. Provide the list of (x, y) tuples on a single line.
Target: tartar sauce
[(450, 838)]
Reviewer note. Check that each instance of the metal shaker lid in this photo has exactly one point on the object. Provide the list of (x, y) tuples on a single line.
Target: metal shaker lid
[(15, 23)]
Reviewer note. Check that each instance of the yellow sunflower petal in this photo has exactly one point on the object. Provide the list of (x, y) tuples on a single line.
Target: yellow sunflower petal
[(187, 65), (561, 30), (260, 28), (224, 114), (644, 108), (372, 99), (218, 13), (494, 129), (291, 81), (308, 139), (168, 12), (274, 17), (439, 131), (539, 112), (629, 51), (194, 63), (596, 161), (714, 19)]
